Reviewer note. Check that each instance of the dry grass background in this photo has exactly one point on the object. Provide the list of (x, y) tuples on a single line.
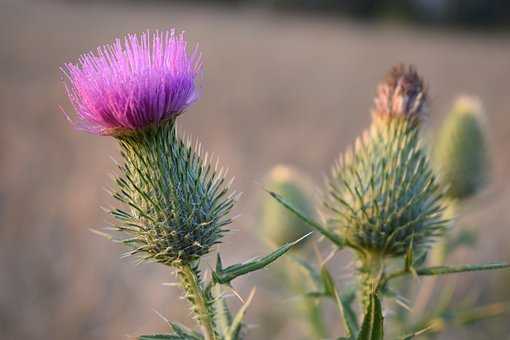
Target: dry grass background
[(276, 89)]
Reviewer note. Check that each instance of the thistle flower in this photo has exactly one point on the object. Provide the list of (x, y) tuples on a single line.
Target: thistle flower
[(176, 202), (278, 225), (460, 153), (135, 82), (382, 195)]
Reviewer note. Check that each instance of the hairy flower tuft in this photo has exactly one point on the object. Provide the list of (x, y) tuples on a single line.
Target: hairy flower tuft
[(135, 82), (402, 94)]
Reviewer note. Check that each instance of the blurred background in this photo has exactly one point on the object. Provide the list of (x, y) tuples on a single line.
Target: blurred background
[(285, 81)]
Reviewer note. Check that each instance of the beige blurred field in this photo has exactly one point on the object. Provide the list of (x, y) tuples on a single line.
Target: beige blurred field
[(292, 89)]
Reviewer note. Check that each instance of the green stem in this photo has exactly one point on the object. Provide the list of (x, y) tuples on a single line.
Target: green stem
[(198, 298), (369, 276)]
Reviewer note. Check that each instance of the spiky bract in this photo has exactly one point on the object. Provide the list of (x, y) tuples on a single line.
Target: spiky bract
[(460, 152), (383, 195), (278, 225), (177, 202)]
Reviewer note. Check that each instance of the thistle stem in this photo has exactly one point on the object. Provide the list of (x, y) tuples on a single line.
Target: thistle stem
[(199, 300), (369, 277)]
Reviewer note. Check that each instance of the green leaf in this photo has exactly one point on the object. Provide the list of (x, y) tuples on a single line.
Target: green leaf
[(179, 333), (184, 332), (372, 327), (233, 331), (310, 270), (226, 275), (348, 316), (327, 280), (327, 233), (222, 315), (444, 270)]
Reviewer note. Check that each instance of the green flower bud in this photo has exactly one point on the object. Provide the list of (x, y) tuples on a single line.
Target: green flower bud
[(277, 224), (382, 195), (460, 153), (176, 202)]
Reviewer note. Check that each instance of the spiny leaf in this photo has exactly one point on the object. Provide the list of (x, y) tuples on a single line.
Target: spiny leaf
[(327, 233), (184, 332), (372, 327), (222, 315), (344, 308), (443, 270), (235, 327), (225, 276)]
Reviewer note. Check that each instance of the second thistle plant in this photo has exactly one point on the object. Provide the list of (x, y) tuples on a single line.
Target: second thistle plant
[(382, 195)]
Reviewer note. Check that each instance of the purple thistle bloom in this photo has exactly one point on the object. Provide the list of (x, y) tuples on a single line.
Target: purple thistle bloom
[(132, 83)]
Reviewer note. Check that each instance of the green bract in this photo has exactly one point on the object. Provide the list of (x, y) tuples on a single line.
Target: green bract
[(383, 195), (460, 153), (177, 202)]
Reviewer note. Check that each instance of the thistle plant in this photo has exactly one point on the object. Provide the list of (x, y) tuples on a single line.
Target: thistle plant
[(384, 201), (174, 200)]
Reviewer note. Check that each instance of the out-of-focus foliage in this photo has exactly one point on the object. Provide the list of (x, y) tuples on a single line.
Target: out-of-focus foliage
[(277, 225), (460, 152)]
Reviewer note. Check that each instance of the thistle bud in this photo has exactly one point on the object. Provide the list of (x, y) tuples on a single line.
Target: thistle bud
[(382, 195), (460, 153), (277, 225), (402, 94)]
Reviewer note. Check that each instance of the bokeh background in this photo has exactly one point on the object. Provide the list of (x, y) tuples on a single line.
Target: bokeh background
[(284, 81)]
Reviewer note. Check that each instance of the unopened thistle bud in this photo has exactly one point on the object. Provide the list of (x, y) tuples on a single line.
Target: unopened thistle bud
[(176, 203), (278, 225), (402, 95), (382, 194), (460, 153)]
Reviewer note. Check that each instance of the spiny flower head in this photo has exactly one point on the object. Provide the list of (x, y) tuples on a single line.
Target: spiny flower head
[(402, 94), (277, 225), (135, 82), (460, 152), (176, 201), (382, 195)]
